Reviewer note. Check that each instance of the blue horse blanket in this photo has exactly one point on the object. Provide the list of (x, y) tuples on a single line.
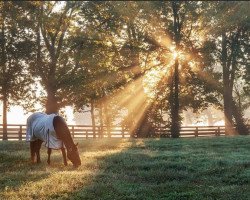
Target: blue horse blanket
[(40, 126)]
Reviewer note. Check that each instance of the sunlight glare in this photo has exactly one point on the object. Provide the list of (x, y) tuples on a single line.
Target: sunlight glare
[(134, 99), (69, 115), (175, 55)]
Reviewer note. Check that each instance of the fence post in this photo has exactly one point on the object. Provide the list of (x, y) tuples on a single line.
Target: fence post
[(98, 130), (218, 132), (196, 132), (87, 134), (73, 132), (122, 132), (20, 133), (94, 131)]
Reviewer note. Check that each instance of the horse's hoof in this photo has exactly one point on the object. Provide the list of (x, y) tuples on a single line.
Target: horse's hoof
[(76, 166)]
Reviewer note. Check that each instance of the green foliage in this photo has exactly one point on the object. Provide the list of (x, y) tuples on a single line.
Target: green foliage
[(15, 51), (92, 52)]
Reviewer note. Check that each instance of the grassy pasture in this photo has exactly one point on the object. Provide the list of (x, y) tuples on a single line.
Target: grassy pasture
[(188, 168)]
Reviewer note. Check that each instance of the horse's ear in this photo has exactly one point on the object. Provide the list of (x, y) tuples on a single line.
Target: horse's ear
[(76, 144)]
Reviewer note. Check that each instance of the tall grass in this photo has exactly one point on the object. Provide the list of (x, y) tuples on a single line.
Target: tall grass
[(194, 168)]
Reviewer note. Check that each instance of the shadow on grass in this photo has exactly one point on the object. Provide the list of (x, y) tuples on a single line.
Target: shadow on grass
[(23, 180), (17, 170), (171, 169), (216, 168)]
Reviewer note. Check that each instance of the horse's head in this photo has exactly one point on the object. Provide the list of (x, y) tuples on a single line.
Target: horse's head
[(73, 156)]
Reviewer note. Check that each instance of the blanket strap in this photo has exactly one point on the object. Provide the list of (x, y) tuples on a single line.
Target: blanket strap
[(48, 137)]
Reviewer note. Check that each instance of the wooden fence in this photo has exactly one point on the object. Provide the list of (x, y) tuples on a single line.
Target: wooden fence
[(17, 132)]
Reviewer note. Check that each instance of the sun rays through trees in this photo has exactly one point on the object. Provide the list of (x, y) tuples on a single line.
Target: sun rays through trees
[(144, 63)]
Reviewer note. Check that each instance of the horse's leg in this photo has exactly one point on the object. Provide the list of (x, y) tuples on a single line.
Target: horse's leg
[(38, 147), (49, 153), (64, 156), (32, 151)]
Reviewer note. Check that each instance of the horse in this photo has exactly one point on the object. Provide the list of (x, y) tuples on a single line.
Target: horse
[(53, 130)]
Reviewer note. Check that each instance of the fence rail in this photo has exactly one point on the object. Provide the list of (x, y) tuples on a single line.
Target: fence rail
[(18, 131)]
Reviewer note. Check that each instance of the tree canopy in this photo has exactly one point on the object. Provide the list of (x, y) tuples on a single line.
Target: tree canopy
[(144, 62)]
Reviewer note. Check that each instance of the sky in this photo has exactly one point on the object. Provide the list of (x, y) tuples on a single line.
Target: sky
[(17, 115)]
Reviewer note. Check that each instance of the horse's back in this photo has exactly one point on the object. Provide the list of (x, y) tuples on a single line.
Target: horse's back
[(40, 126), (30, 126)]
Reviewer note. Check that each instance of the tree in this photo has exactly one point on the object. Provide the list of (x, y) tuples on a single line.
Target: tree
[(139, 43), (96, 53), (15, 49), (232, 38), (109, 63), (184, 55), (52, 62)]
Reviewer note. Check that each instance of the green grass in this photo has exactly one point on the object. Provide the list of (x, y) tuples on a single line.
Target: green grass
[(193, 168)]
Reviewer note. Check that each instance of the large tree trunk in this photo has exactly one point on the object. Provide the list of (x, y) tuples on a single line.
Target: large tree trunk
[(3, 65), (101, 120), (175, 116), (51, 103), (107, 119), (5, 136), (175, 108), (92, 111), (227, 93), (240, 124)]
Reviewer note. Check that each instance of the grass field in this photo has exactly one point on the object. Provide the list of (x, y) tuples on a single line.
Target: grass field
[(193, 168)]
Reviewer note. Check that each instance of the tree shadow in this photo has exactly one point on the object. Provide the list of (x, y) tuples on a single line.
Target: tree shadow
[(17, 170), (140, 169), (154, 169), (136, 173)]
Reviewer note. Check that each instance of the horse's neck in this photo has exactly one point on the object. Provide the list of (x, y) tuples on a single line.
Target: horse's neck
[(63, 133), (67, 140), (69, 144)]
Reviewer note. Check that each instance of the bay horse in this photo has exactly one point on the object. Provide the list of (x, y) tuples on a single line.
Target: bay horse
[(53, 130)]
